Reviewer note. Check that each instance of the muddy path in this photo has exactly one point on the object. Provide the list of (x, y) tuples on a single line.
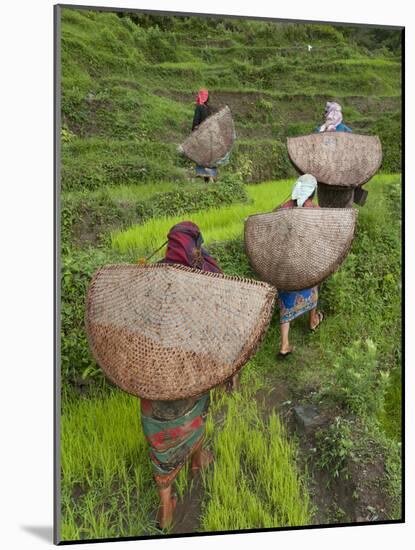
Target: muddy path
[(189, 509)]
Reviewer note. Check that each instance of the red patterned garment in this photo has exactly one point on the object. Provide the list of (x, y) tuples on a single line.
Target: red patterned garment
[(174, 430), (185, 248)]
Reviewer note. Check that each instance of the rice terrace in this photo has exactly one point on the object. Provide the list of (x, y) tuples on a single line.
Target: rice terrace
[(314, 439)]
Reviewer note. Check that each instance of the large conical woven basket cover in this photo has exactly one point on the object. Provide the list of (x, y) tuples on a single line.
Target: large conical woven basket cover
[(336, 158), (212, 140), (168, 332), (297, 248)]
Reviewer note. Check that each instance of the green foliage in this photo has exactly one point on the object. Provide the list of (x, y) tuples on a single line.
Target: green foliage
[(374, 39), (334, 447), (107, 486), (94, 163), (391, 417), (120, 75), (269, 160), (77, 269), (66, 135), (358, 382), (371, 274), (87, 216), (217, 224), (388, 128)]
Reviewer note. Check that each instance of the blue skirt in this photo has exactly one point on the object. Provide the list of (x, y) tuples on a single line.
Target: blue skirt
[(295, 303), (206, 172), (212, 171)]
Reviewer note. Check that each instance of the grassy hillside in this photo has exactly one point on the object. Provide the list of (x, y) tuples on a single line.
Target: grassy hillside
[(128, 89), (128, 92)]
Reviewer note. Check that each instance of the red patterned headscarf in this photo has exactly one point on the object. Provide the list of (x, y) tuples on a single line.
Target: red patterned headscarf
[(202, 96), (185, 247)]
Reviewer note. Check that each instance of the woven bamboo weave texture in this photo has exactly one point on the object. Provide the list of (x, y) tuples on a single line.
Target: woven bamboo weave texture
[(212, 140), (166, 332), (336, 158), (297, 248)]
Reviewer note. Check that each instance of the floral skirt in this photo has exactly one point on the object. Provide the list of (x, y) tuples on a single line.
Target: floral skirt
[(295, 303), (172, 438)]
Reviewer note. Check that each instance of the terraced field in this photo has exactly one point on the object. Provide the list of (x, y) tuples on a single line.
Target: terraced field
[(128, 87)]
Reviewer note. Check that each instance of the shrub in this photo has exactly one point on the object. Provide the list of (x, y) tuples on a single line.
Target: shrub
[(85, 217), (76, 271), (334, 447), (358, 381)]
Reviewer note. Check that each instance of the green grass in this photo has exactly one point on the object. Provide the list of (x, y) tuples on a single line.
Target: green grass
[(129, 192), (255, 482), (107, 488), (136, 82), (217, 224)]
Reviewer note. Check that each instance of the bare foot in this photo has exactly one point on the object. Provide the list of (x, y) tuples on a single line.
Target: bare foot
[(320, 318), (286, 351), (165, 513), (201, 459)]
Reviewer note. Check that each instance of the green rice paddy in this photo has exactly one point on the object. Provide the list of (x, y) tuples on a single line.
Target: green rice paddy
[(219, 224)]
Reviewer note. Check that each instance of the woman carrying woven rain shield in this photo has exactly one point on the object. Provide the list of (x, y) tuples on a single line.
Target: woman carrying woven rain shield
[(175, 429), (295, 303)]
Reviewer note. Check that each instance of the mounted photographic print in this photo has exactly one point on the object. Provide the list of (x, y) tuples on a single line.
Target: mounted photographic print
[(229, 285)]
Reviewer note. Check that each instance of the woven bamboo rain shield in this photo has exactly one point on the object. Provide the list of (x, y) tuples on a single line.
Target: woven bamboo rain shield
[(167, 332), (336, 158), (212, 140), (297, 248)]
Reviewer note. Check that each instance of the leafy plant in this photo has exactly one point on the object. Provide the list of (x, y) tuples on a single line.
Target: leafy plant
[(358, 382), (334, 447)]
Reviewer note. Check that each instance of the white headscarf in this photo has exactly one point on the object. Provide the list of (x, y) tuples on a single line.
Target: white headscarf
[(303, 189), (333, 116)]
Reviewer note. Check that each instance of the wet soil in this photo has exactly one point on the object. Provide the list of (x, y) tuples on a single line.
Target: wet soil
[(357, 498), (188, 510)]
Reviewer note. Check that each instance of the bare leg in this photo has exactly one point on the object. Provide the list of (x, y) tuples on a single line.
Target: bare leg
[(314, 320), (167, 506), (201, 458), (285, 344)]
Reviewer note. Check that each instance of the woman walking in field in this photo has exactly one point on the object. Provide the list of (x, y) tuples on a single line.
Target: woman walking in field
[(295, 303), (333, 119), (202, 112), (175, 429)]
